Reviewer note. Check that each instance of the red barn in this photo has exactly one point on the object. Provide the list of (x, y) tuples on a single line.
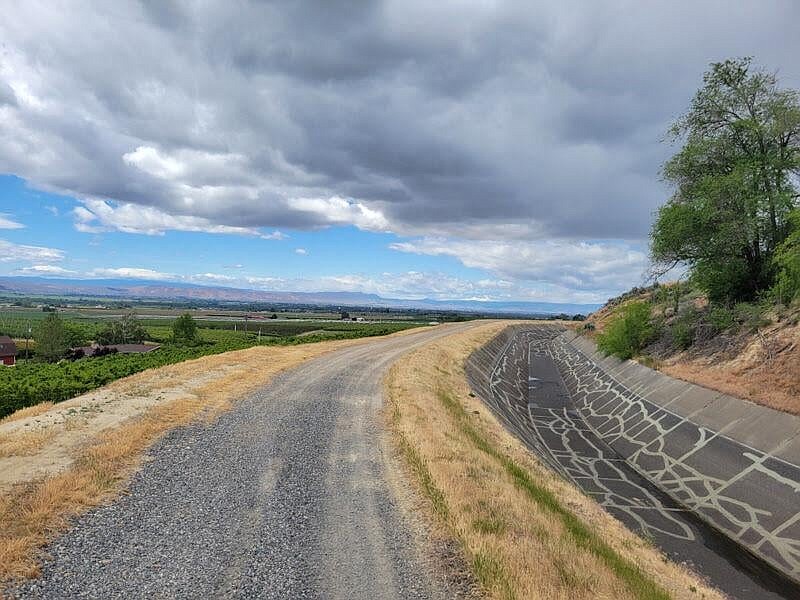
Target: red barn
[(8, 351)]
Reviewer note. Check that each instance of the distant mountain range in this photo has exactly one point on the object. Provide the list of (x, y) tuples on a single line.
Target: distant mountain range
[(171, 291)]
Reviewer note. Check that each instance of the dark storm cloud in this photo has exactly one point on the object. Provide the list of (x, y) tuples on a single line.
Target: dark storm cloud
[(426, 118)]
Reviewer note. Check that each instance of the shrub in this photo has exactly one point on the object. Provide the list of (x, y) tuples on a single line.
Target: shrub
[(628, 332), (750, 315), (682, 334), (721, 318)]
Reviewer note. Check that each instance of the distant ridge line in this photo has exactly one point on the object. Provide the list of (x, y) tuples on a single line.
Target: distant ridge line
[(167, 290)]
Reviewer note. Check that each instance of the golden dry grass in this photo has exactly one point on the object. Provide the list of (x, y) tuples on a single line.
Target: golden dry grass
[(33, 512), (767, 371), (526, 533), (30, 411), (26, 443)]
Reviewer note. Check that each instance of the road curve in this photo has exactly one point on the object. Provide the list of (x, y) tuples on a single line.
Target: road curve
[(285, 496)]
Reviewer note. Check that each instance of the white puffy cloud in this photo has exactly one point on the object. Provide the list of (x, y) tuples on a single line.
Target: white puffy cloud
[(415, 285), (301, 251), (47, 270), (422, 119), (599, 266), (6, 222), (95, 216), (476, 123), (340, 211), (11, 252), (133, 273), (212, 278)]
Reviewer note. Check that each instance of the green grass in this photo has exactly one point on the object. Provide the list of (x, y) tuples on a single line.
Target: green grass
[(490, 573), (490, 526), (638, 582)]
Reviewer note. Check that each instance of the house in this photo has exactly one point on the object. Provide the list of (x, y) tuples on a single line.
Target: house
[(8, 351)]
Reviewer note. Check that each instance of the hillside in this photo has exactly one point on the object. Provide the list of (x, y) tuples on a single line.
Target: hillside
[(749, 350), (172, 291)]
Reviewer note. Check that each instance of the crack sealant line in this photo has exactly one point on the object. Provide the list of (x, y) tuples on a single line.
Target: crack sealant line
[(770, 537), (676, 415)]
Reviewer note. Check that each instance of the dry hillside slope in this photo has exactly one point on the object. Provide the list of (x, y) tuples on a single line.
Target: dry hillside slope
[(758, 360)]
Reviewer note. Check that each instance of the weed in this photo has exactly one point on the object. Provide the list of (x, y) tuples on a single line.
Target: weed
[(490, 526)]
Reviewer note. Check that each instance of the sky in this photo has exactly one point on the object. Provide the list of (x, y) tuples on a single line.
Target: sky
[(454, 150)]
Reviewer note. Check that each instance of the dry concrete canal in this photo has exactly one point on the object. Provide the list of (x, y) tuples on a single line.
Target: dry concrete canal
[(726, 508)]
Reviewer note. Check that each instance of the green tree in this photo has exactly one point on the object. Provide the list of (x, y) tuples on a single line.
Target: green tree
[(50, 337), (75, 335), (787, 262), (733, 181), (127, 330), (184, 329)]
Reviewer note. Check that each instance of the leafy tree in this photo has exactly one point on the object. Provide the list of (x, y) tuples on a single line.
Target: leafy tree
[(787, 261), (128, 330), (733, 182), (75, 335), (184, 329), (51, 339)]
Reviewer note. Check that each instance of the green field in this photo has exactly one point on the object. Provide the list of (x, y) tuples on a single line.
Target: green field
[(33, 381)]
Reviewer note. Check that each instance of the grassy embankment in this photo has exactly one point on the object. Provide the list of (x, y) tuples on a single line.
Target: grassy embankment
[(525, 532), (746, 349)]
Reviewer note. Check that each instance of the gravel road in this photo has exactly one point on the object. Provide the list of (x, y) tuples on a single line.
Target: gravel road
[(287, 495)]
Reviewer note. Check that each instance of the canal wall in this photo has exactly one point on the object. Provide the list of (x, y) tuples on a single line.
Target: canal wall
[(734, 464)]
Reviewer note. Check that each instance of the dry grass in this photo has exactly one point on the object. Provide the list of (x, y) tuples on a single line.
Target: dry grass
[(765, 371), (105, 434), (30, 411), (26, 443), (526, 533)]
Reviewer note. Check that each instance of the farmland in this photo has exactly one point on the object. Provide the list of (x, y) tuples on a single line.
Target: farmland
[(33, 381)]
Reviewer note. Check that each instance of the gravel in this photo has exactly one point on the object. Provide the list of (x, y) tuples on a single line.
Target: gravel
[(285, 496)]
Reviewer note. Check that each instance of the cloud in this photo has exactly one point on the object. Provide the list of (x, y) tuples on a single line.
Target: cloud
[(48, 270), (11, 252), (479, 122), (275, 235), (6, 222), (97, 215), (382, 115), (301, 251), (212, 278), (340, 211), (575, 265), (415, 285), (133, 273)]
